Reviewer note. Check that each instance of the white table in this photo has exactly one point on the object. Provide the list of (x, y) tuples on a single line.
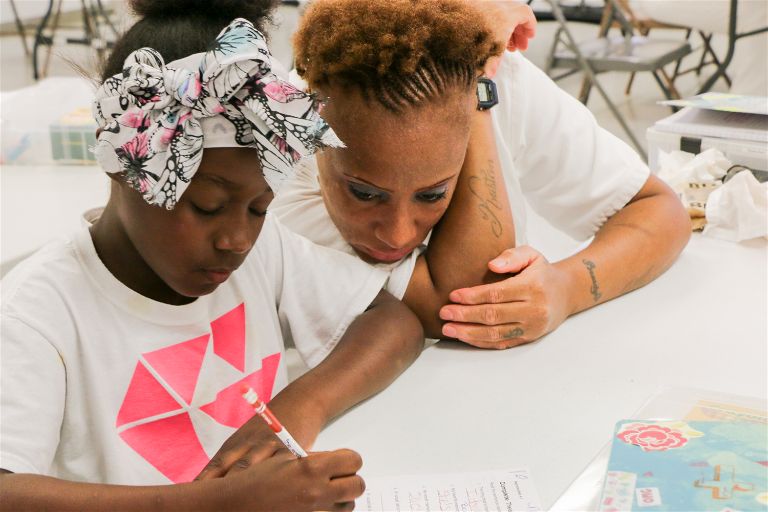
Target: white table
[(552, 405)]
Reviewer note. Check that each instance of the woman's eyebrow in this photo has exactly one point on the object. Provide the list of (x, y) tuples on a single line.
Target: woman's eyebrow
[(423, 189), (366, 182), (436, 185)]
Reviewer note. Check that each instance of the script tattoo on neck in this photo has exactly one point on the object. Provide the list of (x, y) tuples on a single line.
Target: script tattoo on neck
[(489, 206), (595, 290)]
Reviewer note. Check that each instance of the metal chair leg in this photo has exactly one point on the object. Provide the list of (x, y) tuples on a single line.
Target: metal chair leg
[(589, 72), (39, 39), (732, 36), (20, 28)]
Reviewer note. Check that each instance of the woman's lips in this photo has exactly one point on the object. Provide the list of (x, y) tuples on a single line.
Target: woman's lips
[(385, 256)]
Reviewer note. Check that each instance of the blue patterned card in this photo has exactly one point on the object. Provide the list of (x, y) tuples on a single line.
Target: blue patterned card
[(687, 466)]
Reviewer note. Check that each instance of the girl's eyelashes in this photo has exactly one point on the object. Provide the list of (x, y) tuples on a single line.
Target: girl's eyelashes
[(432, 196), (206, 211), (365, 193), (257, 213)]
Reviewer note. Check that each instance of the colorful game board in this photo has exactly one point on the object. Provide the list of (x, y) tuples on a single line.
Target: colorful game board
[(687, 466)]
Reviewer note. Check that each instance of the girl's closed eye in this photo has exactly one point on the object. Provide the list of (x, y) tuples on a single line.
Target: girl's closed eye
[(433, 196), (206, 210)]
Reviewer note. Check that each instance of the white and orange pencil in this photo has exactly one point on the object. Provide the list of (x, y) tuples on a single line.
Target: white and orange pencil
[(262, 410)]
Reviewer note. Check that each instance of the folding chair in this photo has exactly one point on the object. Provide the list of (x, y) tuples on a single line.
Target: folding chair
[(625, 52), (733, 36), (644, 26), (94, 18)]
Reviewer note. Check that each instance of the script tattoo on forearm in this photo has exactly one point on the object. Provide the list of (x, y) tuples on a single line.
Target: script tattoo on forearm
[(514, 333), (595, 290), (489, 206)]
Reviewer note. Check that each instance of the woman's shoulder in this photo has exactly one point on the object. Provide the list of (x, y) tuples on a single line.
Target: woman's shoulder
[(515, 68)]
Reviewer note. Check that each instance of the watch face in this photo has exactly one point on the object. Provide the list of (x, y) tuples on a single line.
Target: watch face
[(483, 94), (487, 96)]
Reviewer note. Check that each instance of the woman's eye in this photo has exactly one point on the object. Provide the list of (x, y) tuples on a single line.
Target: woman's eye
[(205, 211), (432, 197), (257, 213), (363, 195)]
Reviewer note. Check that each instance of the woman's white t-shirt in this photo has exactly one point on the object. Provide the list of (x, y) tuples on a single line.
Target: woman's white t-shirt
[(553, 155), (101, 384)]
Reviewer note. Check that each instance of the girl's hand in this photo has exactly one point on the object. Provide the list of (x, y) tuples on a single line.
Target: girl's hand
[(252, 443), (517, 310), (255, 442), (322, 481), (515, 24)]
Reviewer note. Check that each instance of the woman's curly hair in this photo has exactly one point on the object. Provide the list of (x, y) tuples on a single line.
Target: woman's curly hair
[(399, 52)]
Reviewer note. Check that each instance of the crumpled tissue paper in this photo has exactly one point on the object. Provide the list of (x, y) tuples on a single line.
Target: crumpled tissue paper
[(735, 210), (738, 210), (693, 178)]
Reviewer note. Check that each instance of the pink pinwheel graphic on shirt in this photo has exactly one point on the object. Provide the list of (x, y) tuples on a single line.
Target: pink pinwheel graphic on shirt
[(154, 419)]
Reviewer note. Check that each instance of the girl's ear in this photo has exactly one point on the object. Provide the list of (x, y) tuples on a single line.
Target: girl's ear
[(117, 177)]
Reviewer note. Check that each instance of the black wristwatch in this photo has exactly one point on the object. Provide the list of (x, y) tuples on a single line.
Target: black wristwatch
[(487, 95)]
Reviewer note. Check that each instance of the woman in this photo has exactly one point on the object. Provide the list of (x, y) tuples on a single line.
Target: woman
[(394, 91)]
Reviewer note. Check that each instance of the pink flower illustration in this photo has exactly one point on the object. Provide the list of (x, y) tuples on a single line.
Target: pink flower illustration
[(137, 147), (652, 437), (134, 119), (281, 91)]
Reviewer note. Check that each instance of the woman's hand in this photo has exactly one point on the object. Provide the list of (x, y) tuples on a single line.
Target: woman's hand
[(515, 24), (322, 481), (514, 311)]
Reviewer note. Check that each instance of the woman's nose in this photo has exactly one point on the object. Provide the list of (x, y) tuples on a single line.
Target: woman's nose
[(398, 231)]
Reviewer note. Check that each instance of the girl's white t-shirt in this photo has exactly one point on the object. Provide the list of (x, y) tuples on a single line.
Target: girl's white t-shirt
[(553, 155), (101, 384)]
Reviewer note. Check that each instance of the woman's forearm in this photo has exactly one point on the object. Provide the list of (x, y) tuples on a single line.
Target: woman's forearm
[(476, 227), (27, 492), (634, 247)]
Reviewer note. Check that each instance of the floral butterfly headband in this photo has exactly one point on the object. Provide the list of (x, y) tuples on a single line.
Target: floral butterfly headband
[(155, 119)]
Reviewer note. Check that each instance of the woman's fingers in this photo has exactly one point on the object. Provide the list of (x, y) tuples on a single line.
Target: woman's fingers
[(483, 336), (485, 314)]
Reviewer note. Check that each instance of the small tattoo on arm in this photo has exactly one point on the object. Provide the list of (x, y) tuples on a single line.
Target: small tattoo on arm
[(490, 203), (595, 290), (514, 333)]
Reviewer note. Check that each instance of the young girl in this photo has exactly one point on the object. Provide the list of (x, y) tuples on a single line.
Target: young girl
[(124, 347)]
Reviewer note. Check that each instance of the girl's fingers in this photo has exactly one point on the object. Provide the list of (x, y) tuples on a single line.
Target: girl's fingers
[(348, 488)]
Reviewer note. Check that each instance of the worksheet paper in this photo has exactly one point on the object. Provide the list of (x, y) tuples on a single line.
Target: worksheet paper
[(508, 491)]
